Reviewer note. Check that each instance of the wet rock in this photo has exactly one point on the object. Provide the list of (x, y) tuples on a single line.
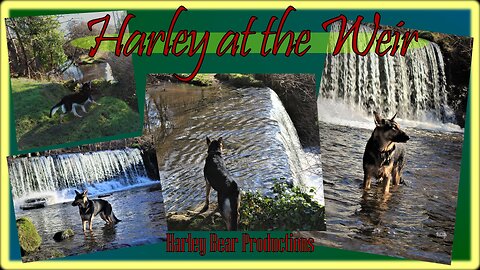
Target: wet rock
[(28, 236), (441, 234), (149, 157), (62, 235), (34, 204), (43, 254), (155, 188), (196, 220), (104, 195)]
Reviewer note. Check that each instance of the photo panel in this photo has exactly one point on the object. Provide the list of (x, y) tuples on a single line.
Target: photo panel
[(245, 136), (391, 132), (61, 95), (86, 199)]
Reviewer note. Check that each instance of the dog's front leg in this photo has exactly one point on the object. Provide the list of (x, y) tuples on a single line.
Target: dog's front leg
[(90, 223), (207, 196), (84, 223), (367, 181), (386, 184), (75, 111)]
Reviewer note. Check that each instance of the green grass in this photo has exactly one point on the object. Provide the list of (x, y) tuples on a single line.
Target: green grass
[(32, 101)]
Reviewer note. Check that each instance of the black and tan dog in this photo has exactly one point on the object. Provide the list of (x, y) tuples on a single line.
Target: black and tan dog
[(218, 177), (70, 102), (383, 159), (90, 208)]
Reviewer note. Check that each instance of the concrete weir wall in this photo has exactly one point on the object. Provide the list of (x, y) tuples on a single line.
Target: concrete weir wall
[(261, 146)]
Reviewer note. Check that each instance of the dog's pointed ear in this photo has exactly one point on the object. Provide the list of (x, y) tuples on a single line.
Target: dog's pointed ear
[(220, 140), (76, 192), (394, 116), (378, 119), (208, 141), (85, 192)]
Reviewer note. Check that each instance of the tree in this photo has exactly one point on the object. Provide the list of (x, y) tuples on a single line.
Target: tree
[(35, 45)]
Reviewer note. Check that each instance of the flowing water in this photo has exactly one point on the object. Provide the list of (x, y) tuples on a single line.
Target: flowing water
[(413, 85), (55, 177), (140, 210), (89, 72), (118, 175), (260, 144), (417, 220)]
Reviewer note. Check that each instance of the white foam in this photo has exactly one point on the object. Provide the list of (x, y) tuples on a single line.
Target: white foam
[(94, 189), (338, 113)]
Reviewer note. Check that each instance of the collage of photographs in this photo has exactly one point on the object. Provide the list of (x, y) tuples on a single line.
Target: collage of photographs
[(365, 155)]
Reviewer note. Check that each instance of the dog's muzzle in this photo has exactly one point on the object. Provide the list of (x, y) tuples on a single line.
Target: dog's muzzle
[(401, 138)]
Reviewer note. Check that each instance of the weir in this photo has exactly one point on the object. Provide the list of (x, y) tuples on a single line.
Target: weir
[(102, 171), (261, 147), (413, 85)]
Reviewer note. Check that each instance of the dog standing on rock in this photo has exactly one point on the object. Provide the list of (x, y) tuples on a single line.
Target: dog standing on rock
[(218, 177), (383, 159)]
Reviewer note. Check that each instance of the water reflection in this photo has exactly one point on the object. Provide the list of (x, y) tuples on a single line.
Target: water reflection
[(416, 221), (260, 143)]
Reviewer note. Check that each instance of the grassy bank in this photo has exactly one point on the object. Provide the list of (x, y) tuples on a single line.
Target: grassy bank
[(32, 101)]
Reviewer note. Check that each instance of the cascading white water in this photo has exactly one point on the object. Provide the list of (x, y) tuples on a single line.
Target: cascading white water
[(31, 176), (108, 73), (88, 72), (305, 168), (72, 72), (413, 85)]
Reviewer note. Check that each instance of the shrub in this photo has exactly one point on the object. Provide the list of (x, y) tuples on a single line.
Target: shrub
[(289, 209)]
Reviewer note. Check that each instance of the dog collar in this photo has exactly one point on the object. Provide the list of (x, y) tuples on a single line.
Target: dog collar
[(387, 156), (87, 206)]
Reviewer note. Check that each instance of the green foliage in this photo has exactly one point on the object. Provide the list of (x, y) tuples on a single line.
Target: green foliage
[(38, 43), (32, 101), (28, 236), (239, 80), (87, 60), (289, 209)]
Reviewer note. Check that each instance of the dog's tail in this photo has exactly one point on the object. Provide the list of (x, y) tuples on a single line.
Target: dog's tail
[(55, 108), (115, 218), (231, 204)]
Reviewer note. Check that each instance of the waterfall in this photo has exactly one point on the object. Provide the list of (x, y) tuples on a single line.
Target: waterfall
[(413, 85), (72, 72), (101, 171), (261, 148), (108, 73), (306, 168)]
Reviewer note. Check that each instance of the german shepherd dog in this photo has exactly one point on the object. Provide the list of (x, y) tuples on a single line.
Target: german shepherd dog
[(218, 177), (90, 208), (383, 159), (70, 102)]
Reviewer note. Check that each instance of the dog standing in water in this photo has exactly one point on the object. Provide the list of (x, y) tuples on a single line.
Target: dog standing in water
[(383, 158), (90, 208)]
